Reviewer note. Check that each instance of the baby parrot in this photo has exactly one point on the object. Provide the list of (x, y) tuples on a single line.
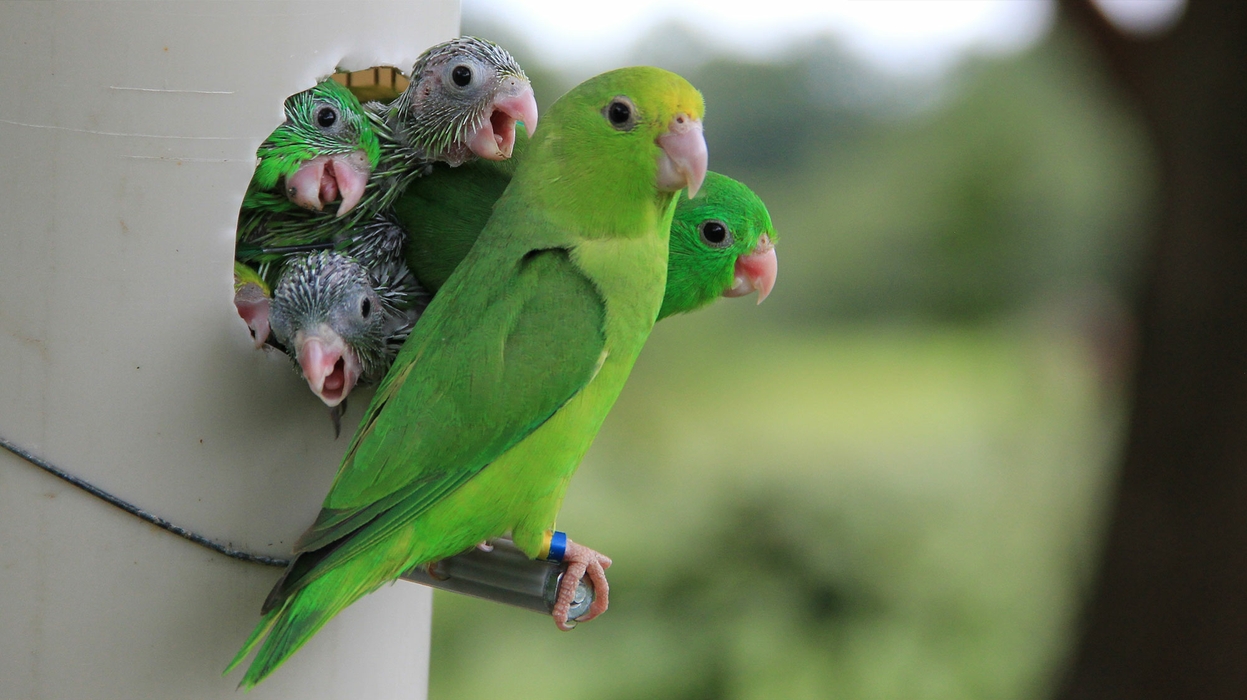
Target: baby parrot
[(464, 100), (252, 298), (496, 396), (342, 323), (325, 148), (722, 242)]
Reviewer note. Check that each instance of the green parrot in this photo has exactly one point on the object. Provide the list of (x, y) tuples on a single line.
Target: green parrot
[(496, 396), (722, 242), (326, 147), (463, 102)]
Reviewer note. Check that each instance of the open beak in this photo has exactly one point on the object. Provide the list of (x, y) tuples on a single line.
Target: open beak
[(329, 366), (756, 271), (322, 179), (683, 162), (252, 305), (495, 138)]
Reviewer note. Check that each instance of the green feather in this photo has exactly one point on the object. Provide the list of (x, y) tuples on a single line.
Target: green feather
[(444, 212), (497, 394)]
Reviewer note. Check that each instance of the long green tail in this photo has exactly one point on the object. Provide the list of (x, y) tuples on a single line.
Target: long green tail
[(284, 629)]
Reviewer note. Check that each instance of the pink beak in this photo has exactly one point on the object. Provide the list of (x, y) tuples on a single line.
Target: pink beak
[(252, 306), (329, 366), (495, 139), (684, 159), (756, 271), (320, 180)]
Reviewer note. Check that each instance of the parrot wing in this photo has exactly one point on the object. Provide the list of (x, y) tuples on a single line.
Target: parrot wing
[(528, 347)]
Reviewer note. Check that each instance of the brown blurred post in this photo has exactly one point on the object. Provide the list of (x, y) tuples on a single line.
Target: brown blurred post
[(1167, 616)]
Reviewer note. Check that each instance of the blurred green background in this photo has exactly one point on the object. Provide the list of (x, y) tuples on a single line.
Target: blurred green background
[(887, 481)]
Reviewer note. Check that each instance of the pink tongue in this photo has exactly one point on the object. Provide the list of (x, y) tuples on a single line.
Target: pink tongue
[(336, 378), (328, 186)]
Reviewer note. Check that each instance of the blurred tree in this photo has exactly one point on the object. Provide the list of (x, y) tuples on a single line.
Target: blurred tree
[(1168, 616)]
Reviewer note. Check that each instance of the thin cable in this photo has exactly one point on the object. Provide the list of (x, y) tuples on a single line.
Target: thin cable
[(139, 512)]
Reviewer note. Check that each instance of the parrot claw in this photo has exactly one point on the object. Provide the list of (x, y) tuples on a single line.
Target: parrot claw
[(485, 546), (581, 561)]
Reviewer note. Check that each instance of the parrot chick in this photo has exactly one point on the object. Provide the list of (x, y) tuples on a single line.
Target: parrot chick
[(252, 297), (338, 323), (325, 149), (464, 100)]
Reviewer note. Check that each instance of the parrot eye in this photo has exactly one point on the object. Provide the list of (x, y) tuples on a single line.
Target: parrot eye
[(461, 75), (365, 307), (715, 233), (326, 117), (620, 114)]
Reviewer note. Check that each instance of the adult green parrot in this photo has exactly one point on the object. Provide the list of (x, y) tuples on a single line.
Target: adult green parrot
[(722, 242), (496, 396)]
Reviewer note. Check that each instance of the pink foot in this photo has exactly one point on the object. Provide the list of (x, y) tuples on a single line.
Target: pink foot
[(485, 546), (580, 561)]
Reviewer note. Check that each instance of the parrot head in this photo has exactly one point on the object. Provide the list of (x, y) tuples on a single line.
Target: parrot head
[(324, 151), (633, 132), (251, 299), (328, 315), (465, 98), (722, 244)]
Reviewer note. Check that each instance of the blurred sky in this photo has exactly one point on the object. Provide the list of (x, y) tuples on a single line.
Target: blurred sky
[(903, 36)]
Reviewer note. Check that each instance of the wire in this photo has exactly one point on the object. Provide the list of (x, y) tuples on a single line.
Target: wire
[(139, 512)]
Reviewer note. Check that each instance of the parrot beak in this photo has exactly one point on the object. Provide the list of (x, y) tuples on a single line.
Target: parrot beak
[(321, 179), (495, 138), (329, 366), (683, 162), (252, 306), (756, 271), (351, 172)]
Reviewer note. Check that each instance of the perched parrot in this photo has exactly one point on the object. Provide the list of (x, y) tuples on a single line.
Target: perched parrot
[(722, 242), (496, 396), (464, 100), (342, 323)]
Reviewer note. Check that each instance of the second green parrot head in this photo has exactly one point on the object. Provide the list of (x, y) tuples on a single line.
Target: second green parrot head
[(722, 244), (325, 149)]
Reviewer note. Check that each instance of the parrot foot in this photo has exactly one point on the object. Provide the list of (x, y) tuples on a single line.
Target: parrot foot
[(581, 561), (485, 546)]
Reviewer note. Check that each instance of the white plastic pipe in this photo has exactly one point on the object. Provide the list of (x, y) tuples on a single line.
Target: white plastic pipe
[(127, 136)]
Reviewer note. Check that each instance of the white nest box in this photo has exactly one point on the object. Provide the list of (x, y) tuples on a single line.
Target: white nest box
[(128, 134)]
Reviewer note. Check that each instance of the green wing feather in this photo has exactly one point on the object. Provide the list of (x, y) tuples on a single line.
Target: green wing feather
[(528, 347)]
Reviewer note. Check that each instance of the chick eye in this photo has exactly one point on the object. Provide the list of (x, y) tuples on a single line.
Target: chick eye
[(326, 117), (715, 233), (461, 75), (620, 114), (365, 307)]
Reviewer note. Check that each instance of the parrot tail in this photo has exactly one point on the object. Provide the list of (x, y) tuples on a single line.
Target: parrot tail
[(287, 627)]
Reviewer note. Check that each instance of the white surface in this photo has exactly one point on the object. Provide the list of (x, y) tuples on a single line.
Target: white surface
[(128, 134)]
